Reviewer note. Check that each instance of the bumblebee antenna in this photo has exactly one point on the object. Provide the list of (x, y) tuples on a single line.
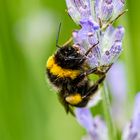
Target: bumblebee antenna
[(57, 37)]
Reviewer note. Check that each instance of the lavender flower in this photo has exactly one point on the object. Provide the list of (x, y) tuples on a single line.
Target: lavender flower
[(95, 127), (118, 86), (97, 11), (107, 10), (93, 16), (132, 130)]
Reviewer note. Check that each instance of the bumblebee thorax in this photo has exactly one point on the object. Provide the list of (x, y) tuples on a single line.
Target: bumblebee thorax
[(68, 57)]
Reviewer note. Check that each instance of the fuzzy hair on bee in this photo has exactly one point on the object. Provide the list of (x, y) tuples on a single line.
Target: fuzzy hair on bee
[(67, 70)]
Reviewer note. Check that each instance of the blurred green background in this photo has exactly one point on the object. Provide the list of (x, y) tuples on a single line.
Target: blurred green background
[(29, 109)]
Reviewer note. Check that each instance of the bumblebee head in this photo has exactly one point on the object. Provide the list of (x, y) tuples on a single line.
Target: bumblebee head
[(68, 57)]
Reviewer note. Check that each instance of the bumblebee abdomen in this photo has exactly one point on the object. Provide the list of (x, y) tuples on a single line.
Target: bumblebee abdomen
[(57, 81)]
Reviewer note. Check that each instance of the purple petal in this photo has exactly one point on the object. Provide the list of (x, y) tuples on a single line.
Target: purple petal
[(95, 127), (110, 36), (103, 9), (118, 87), (116, 49), (73, 12), (112, 55), (90, 24), (111, 44), (92, 61), (97, 7), (117, 81), (136, 117), (100, 130), (118, 7), (79, 9), (106, 10), (86, 37), (84, 117), (106, 39), (119, 33), (132, 130), (114, 52)]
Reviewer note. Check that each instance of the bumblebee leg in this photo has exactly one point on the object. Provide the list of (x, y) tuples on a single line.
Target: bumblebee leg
[(83, 75), (94, 87), (90, 49), (95, 70), (109, 66), (103, 69), (90, 71), (86, 73)]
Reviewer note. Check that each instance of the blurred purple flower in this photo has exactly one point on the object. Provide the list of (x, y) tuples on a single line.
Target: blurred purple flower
[(117, 81), (132, 130), (93, 16), (95, 127), (118, 87)]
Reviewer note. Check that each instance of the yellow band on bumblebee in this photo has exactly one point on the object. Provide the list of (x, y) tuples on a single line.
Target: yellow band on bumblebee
[(74, 99), (60, 72)]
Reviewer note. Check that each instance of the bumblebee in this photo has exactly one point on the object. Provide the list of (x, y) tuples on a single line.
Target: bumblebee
[(68, 71)]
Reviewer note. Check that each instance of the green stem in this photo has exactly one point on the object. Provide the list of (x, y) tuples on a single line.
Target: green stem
[(107, 113)]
